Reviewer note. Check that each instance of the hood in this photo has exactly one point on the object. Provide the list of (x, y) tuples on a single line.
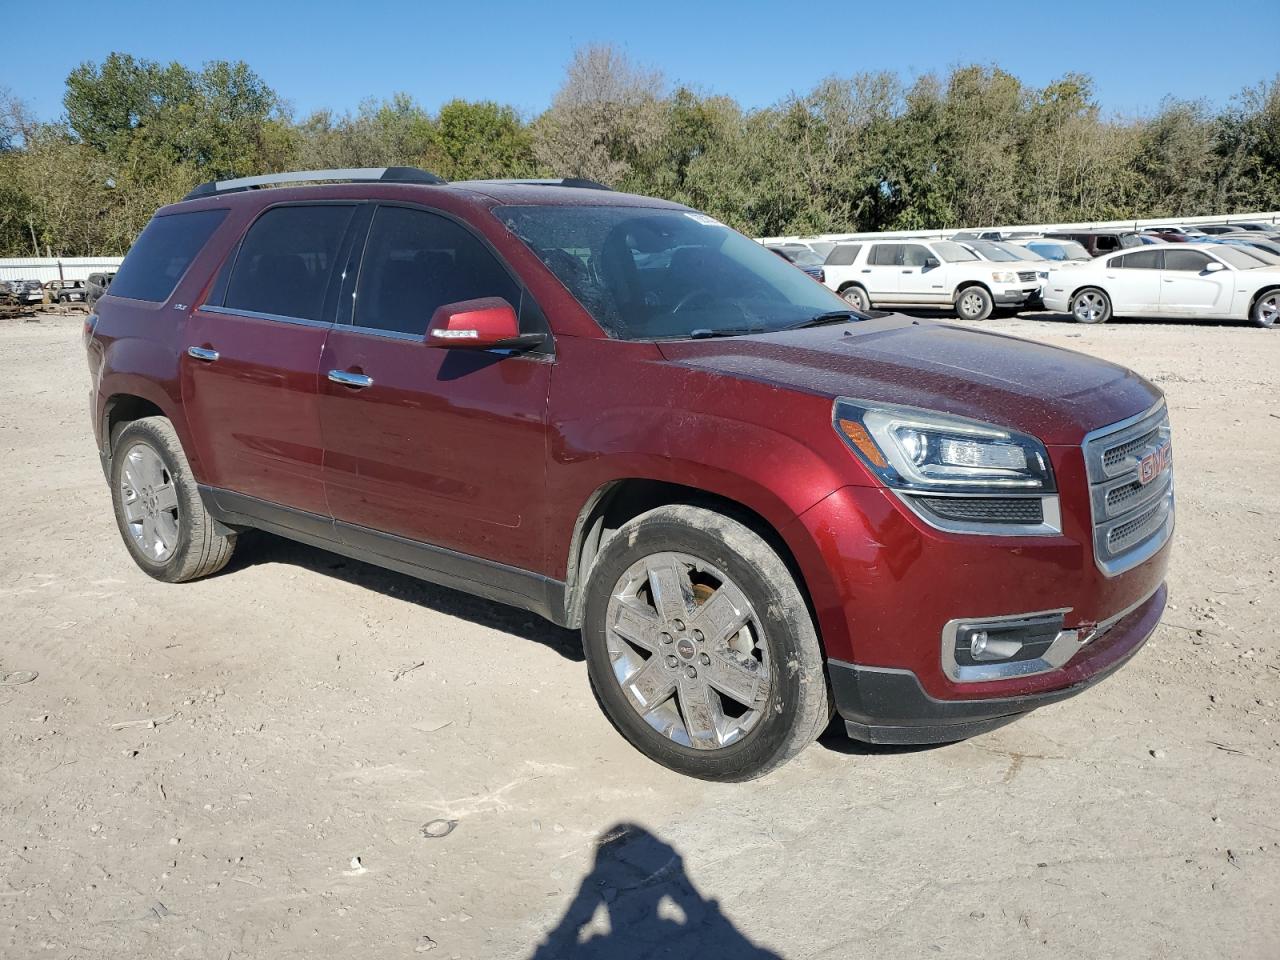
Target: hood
[(1054, 394)]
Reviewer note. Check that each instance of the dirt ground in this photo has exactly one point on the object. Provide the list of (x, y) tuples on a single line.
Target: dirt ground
[(311, 714)]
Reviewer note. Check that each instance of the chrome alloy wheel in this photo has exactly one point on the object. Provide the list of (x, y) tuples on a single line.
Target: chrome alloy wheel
[(150, 502), (1269, 309), (971, 304), (1089, 307), (688, 650)]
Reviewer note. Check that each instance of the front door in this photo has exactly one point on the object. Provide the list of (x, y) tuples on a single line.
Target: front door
[(250, 366), (917, 281), (1188, 289), (441, 446)]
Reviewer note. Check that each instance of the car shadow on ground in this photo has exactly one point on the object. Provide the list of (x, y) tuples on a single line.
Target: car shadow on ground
[(258, 547), (638, 902)]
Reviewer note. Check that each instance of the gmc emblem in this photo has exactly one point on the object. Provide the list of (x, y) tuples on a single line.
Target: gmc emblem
[(1154, 464)]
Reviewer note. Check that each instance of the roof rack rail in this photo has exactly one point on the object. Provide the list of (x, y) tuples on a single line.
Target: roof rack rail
[(356, 174), (579, 182)]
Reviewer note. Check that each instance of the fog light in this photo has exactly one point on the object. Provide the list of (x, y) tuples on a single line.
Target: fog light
[(984, 647)]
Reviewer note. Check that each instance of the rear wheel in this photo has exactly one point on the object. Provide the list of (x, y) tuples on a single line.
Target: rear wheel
[(974, 303), (1091, 305), (857, 298), (1266, 309), (700, 646), (158, 509)]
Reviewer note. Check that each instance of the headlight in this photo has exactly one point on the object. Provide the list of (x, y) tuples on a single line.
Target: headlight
[(913, 449), (1004, 276), (1043, 274)]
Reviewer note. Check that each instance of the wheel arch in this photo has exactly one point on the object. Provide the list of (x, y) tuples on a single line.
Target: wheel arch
[(618, 501), (1259, 294), (964, 285)]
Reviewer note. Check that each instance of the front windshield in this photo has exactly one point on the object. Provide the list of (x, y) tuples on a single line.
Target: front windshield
[(1061, 250), (1238, 258), (1019, 253), (993, 251), (650, 273), (951, 252), (803, 256)]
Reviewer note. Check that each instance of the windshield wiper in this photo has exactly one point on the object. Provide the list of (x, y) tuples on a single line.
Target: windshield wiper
[(822, 319), (706, 333)]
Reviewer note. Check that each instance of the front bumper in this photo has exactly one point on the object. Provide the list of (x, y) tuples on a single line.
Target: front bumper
[(1016, 296), (889, 705)]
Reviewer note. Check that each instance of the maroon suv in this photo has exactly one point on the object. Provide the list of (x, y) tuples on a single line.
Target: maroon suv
[(759, 506)]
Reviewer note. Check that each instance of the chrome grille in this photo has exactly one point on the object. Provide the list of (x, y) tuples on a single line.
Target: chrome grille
[(1027, 276), (1131, 519)]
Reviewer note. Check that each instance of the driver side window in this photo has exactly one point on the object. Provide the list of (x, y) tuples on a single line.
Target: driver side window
[(416, 261)]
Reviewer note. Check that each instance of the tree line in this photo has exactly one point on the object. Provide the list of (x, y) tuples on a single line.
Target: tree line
[(870, 151)]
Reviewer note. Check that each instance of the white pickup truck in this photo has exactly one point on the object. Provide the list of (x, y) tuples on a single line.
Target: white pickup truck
[(927, 273)]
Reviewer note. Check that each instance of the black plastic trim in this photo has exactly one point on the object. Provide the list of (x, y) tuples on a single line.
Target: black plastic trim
[(889, 705), (525, 589)]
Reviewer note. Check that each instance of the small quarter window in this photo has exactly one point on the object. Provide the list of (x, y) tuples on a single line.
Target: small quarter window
[(162, 253)]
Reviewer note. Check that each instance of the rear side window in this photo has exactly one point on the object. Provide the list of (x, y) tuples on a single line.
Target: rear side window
[(884, 254), (416, 261), (162, 253), (1144, 260), (843, 255), (286, 259)]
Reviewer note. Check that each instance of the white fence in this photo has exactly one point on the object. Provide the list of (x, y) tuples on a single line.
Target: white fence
[(1273, 217), (45, 269)]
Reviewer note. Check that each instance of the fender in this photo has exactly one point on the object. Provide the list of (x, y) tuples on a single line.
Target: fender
[(148, 370)]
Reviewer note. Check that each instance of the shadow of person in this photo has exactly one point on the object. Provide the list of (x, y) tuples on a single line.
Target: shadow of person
[(638, 902)]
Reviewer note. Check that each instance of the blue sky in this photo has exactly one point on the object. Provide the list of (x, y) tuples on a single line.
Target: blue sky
[(325, 53)]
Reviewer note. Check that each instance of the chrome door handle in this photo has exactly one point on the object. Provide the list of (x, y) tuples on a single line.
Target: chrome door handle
[(357, 380), (202, 353)]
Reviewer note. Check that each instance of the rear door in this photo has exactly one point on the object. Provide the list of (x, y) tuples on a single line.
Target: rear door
[(1186, 290), (1133, 283), (443, 447), (253, 353), (880, 272)]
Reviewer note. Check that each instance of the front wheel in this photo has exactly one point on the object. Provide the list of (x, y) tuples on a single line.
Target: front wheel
[(974, 303), (1266, 309), (161, 517), (700, 646), (1091, 305)]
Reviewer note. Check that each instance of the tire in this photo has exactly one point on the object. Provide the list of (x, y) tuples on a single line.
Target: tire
[(1090, 305), (974, 303), (1266, 309), (857, 298), (161, 517), (781, 701)]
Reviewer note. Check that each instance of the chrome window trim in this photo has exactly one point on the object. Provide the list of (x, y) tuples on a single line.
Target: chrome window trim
[(258, 315), (1050, 508)]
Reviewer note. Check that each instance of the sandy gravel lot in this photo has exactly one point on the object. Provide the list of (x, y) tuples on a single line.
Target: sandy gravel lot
[(275, 807)]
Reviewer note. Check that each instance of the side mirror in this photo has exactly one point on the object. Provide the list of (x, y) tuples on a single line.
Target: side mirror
[(1214, 266), (931, 262), (480, 324)]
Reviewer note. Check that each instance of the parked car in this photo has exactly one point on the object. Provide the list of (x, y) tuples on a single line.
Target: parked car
[(1194, 280), (757, 505), (26, 291), (927, 273), (1255, 240), (802, 257), (1099, 242), (1169, 236), (65, 291), (96, 286), (1019, 258), (1062, 251), (1212, 229)]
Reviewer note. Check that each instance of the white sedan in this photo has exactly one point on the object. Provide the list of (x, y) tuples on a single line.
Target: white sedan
[(1211, 281)]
